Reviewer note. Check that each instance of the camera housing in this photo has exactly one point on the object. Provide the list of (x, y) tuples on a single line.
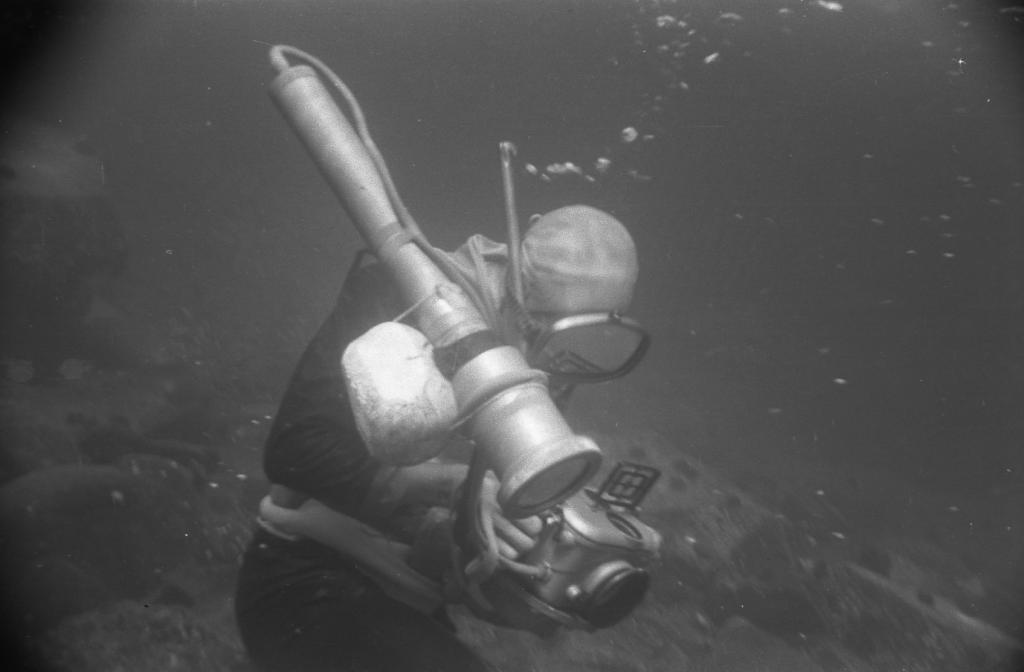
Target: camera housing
[(590, 566), (597, 559)]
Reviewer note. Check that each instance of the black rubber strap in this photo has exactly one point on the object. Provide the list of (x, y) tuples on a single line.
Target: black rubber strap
[(450, 358)]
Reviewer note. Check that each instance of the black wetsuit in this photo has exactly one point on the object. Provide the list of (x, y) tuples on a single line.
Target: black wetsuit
[(301, 606)]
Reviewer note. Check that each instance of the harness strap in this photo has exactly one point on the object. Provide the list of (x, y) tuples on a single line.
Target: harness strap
[(382, 559)]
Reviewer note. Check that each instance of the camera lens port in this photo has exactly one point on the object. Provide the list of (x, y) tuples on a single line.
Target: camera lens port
[(615, 596)]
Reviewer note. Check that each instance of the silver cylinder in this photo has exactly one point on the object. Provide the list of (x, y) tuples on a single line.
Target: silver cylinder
[(537, 458), (525, 439), (335, 147), (340, 154)]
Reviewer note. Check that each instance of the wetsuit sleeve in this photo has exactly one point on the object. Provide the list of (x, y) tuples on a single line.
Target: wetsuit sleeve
[(314, 446)]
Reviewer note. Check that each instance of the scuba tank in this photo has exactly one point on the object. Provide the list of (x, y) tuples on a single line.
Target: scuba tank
[(504, 405)]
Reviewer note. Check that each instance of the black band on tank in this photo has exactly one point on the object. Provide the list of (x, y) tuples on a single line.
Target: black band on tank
[(450, 358)]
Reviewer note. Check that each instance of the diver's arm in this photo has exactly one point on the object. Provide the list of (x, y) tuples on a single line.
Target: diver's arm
[(427, 484), (314, 446), (321, 458)]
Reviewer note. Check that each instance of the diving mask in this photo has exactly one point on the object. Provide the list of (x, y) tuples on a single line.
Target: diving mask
[(588, 346), (583, 348)]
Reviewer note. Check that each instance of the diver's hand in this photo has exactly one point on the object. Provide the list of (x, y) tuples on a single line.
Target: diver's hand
[(516, 537)]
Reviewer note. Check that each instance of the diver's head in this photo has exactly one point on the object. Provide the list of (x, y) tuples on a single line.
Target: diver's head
[(577, 259), (578, 269)]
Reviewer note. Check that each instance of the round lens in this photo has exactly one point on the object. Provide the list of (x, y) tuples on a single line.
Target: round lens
[(617, 596)]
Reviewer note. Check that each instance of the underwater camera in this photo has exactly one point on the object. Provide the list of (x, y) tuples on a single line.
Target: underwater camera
[(588, 569)]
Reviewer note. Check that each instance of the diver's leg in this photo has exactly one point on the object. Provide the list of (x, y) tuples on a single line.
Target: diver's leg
[(300, 608)]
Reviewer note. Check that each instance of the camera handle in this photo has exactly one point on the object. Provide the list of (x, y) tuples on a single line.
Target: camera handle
[(475, 521)]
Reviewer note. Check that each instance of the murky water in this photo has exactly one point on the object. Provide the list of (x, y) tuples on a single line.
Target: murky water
[(826, 197)]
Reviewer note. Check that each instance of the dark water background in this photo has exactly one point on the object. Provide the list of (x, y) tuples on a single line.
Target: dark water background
[(830, 238)]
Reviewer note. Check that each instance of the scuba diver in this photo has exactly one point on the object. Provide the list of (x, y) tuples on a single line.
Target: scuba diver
[(302, 605), (365, 536)]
